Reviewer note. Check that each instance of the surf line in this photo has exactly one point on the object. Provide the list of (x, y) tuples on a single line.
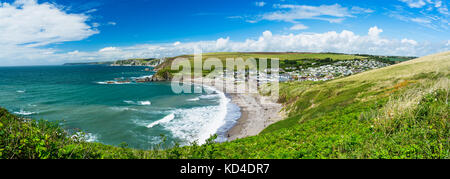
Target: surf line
[(214, 124), (166, 119)]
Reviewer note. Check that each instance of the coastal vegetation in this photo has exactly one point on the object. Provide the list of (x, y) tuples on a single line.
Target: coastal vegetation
[(288, 61), (89, 63), (283, 57), (399, 111), (127, 62), (137, 62)]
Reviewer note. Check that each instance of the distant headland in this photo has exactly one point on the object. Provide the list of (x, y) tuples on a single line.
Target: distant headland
[(151, 62)]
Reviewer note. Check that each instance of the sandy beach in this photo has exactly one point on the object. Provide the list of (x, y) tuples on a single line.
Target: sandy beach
[(255, 115), (257, 112)]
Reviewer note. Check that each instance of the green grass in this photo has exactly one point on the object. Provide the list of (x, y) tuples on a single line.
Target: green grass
[(400, 111), (282, 56), (287, 59), (137, 60), (317, 57), (398, 59)]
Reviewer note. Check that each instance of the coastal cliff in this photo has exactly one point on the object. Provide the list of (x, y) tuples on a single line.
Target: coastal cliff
[(400, 111), (162, 75), (152, 62), (163, 72)]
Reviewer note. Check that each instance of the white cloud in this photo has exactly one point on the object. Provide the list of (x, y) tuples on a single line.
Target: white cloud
[(260, 4), (27, 26), (408, 41), (91, 11), (251, 21), (292, 13), (358, 10), (295, 13), (74, 52), (95, 24), (414, 3), (438, 4), (108, 49), (267, 34), (434, 16), (374, 31), (222, 43), (421, 20), (343, 42), (440, 7), (25, 22), (235, 17), (299, 27), (112, 23), (443, 10)]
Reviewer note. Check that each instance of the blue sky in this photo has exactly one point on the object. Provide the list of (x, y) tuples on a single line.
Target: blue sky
[(57, 31)]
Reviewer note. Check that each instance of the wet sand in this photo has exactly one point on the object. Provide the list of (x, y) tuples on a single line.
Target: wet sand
[(255, 115), (257, 112)]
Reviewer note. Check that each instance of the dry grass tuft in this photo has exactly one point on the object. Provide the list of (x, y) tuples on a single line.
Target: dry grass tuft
[(406, 102)]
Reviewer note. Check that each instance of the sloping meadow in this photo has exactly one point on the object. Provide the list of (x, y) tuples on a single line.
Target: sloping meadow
[(400, 111)]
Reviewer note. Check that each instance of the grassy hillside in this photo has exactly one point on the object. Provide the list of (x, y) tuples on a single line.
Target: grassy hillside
[(137, 61), (308, 100), (280, 55), (400, 111), (89, 63), (287, 59)]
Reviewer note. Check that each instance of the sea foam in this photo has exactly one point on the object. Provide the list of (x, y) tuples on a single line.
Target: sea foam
[(166, 119), (91, 137), (115, 108), (193, 99), (198, 124), (112, 83), (24, 113), (141, 103), (144, 103), (209, 96)]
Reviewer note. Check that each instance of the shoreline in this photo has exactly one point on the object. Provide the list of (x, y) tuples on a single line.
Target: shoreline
[(255, 116)]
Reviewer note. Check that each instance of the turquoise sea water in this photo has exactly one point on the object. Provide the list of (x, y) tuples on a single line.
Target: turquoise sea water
[(135, 113)]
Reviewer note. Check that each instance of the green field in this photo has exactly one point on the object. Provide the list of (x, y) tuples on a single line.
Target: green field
[(271, 55), (137, 61), (286, 59), (400, 111), (281, 56)]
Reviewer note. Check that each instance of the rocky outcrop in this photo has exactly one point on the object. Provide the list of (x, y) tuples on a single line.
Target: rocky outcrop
[(158, 78), (162, 75)]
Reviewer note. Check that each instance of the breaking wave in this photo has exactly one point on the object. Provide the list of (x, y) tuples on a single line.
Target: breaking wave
[(166, 119), (144, 103), (112, 83), (24, 113), (141, 103), (199, 123), (193, 99)]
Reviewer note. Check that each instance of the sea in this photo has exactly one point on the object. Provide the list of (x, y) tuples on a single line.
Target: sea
[(140, 115)]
